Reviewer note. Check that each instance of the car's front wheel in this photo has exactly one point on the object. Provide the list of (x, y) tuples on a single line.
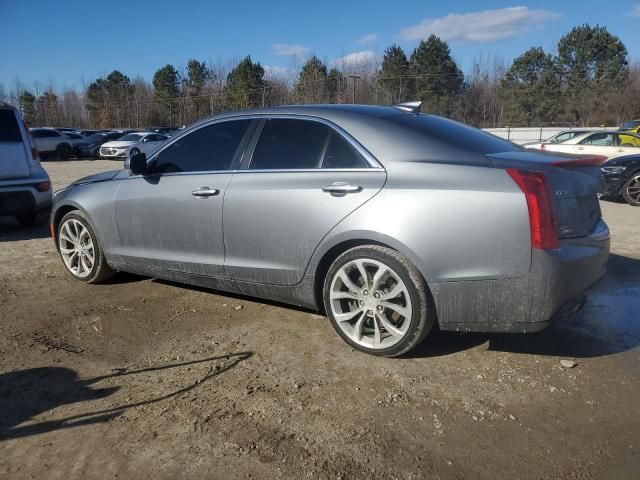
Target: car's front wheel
[(80, 250), (378, 301), (631, 190)]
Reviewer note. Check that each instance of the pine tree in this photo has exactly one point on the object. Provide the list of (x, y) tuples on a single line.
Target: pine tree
[(311, 86), (28, 106), (394, 75), (245, 85), (439, 80), (165, 89), (532, 86)]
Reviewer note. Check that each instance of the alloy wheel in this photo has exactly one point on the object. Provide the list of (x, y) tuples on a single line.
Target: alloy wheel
[(370, 303), (76, 248), (633, 189)]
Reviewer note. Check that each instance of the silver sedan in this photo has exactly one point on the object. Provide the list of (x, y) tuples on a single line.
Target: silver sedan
[(389, 220)]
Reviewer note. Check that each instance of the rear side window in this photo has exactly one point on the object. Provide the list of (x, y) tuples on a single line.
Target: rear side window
[(341, 154), (207, 149), (287, 144), (9, 129), (599, 139)]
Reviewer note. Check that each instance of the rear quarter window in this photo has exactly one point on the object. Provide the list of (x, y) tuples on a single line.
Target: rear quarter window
[(9, 129)]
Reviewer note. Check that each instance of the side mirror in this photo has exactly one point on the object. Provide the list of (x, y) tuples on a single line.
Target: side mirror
[(137, 164)]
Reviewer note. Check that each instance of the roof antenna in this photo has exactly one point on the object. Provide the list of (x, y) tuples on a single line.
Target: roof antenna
[(411, 107)]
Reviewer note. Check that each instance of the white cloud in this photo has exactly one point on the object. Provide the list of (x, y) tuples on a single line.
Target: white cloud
[(368, 39), (485, 26), (288, 50), (356, 59), (275, 71), (635, 10)]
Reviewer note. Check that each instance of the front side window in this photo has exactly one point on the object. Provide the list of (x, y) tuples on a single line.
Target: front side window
[(207, 149), (598, 139)]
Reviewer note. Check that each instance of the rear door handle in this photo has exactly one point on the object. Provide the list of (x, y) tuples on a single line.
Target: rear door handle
[(621, 149), (341, 188), (204, 192)]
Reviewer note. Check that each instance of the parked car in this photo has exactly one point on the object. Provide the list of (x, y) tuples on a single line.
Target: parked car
[(132, 144), (606, 144), (622, 179), (91, 146), (557, 138), (53, 143), (379, 216), (164, 130), (631, 126), (25, 188)]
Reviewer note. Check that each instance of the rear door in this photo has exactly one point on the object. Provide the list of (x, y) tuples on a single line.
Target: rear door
[(300, 178), (601, 143), (14, 162)]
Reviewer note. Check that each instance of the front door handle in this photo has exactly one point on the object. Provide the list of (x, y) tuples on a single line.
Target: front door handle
[(621, 149), (204, 192), (341, 188)]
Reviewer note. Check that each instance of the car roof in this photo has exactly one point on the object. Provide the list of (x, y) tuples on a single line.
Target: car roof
[(388, 133)]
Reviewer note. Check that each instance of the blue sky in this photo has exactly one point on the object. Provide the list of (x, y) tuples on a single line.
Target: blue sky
[(71, 42)]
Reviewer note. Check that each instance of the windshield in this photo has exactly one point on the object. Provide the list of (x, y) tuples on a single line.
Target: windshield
[(132, 137), (630, 125)]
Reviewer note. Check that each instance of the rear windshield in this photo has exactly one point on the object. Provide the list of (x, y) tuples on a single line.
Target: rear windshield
[(456, 134), (9, 129)]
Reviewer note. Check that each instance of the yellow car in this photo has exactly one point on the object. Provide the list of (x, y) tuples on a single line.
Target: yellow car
[(631, 126), (628, 139)]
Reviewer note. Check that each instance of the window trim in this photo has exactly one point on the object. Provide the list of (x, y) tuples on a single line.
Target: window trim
[(247, 146)]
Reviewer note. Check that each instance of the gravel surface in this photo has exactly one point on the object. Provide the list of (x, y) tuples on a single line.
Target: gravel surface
[(139, 378)]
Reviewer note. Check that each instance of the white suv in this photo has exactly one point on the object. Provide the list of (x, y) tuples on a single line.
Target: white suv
[(25, 187)]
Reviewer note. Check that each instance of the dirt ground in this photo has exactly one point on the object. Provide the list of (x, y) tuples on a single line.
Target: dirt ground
[(140, 378)]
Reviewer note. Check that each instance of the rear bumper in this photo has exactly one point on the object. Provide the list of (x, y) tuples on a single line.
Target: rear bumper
[(20, 196), (558, 279)]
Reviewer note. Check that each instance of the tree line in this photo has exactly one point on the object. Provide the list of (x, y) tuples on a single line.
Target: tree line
[(588, 81)]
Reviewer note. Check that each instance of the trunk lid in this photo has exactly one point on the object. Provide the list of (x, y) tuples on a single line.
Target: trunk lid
[(574, 182), (14, 162)]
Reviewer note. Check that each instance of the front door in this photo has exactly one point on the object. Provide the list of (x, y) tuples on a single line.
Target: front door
[(171, 218)]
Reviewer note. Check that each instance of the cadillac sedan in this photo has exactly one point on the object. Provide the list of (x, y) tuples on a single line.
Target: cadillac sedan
[(388, 220)]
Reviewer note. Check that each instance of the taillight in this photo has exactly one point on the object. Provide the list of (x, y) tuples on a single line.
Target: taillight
[(32, 146), (542, 220), (43, 186)]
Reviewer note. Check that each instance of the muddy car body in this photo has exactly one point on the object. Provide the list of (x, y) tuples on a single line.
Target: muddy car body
[(388, 220)]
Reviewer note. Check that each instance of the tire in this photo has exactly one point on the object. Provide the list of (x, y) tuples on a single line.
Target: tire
[(79, 228), (631, 190), (63, 151), (378, 329), (32, 219)]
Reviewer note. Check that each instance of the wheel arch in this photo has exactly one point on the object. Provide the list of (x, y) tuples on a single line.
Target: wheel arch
[(326, 254), (60, 212)]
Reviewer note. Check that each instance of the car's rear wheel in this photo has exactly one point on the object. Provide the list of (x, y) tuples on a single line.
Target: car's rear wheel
[(63, 151), (80, 250), (631, 190), (378, 301)]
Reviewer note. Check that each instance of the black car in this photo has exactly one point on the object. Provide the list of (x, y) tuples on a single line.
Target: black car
[(622, 178), (91, 147)]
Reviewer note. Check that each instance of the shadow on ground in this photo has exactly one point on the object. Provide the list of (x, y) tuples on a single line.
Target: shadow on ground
[(11, 231), (24, 394)]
